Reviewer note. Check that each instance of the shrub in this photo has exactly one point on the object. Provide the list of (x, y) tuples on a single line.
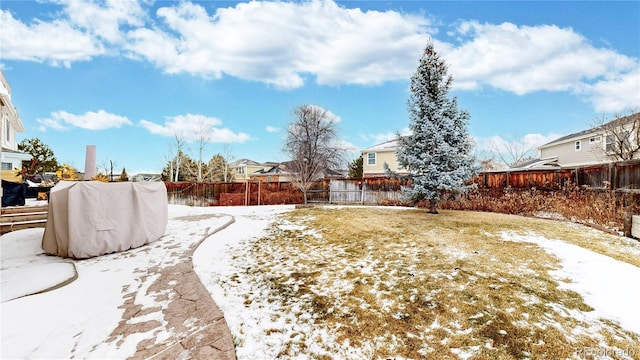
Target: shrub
[(604, 208)]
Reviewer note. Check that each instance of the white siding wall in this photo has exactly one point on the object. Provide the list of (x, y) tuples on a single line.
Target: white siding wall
[(381, 157), (589, 153), (9, 141)]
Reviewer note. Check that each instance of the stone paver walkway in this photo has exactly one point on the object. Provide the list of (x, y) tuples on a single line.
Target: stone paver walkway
[(165, 310), (190, 307)]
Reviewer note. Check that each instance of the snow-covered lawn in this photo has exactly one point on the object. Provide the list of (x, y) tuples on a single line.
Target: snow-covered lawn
[(355, 283), (399, 283)]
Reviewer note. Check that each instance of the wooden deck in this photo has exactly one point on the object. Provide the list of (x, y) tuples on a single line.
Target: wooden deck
[(22, 217)]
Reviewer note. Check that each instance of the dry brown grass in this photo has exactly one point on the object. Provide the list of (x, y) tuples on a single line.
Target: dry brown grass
[(404, 283)]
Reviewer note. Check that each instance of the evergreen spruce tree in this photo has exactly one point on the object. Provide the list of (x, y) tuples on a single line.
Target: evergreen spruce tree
[(437, 151), (356, 168), (123, 175)]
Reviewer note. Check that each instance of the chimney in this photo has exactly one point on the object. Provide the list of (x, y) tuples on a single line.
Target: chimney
[(90, 163)]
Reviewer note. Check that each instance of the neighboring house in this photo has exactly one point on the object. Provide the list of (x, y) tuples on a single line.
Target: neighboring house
[(588, 147), (243, 168), (374, 158), (146, 177), (538, 164), (278, 172), (11, 158)]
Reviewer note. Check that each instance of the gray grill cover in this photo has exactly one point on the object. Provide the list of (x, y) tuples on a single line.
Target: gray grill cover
[(93, 218)]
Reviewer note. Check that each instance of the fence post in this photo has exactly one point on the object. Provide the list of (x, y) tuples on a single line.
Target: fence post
[(330, 194), (610, 176), (362, 194), (628, 222), (614, 182)]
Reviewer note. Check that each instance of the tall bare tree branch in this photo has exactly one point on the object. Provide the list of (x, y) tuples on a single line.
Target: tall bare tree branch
[(312, 146)]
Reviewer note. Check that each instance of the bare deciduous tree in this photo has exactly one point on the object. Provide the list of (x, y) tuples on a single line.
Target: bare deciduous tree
[(203, 137), (311, 143), (513, 153), (622, 135), (178, 158), (175, 161), (228, 157)]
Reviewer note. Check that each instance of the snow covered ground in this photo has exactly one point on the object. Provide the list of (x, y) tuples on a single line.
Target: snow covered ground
[(602, 281), (77, 319)]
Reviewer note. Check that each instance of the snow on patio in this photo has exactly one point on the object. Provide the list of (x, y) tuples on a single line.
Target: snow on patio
[(77, 320)]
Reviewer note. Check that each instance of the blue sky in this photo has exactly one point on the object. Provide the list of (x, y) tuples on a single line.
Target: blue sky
[(126, 76)]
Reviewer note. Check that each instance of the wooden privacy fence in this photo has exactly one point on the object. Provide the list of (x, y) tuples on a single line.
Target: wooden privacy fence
[(622, 176), (228, 194), (338, 191), (366, 191)]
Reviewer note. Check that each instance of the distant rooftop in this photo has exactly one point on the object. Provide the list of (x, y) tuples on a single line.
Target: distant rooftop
[(240, 162), (388, 145), (591, 130)]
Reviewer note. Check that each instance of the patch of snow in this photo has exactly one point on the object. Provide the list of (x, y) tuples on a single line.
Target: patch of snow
[(549, 215), (602, 281)]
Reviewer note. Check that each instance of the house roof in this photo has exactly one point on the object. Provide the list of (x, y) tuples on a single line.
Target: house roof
[(241, 162), (147, 176), (388, 146), (583, 133), (278, 168), (281, 169), (546, 163)]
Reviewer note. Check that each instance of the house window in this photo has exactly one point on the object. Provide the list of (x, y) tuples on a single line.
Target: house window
[(594, 140), (7, 130), (371, 158), (578, 145), (7, 166), (608, 146)]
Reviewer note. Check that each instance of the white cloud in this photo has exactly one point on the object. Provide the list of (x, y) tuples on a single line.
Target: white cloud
[(507, 149), (272, 129), (351, 151), (525, 59), (46, 124), (380, 138), (101, 120), (285, 44), (85, 30), (104, 20), (55, 42), (193, 127), (337, 45), (616, 94), (329, 115)]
